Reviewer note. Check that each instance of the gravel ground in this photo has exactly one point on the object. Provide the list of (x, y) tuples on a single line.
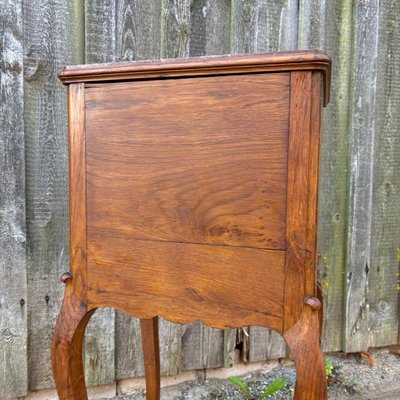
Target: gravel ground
[(352, 378)]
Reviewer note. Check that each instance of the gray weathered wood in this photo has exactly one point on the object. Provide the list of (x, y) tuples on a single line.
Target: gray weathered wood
[(100, 46), (209, 27), (175, 28), (128, 347), (263, 25), (229, 347), (265, 344), (13, 290), (383, 296), (362, 143), (202, 347), (53, 37), (129, 30), (99, 354), (328, 25), (100, 31), (138, 29)]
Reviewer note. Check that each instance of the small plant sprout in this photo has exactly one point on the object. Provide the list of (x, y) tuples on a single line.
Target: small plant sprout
[(329, 367), (275, 386), (240, 385)]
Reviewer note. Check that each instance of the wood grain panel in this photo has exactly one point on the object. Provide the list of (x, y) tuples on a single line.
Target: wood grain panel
[(213, 175), (221, 286)]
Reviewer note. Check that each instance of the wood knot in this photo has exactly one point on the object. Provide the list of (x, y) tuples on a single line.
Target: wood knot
[(65, 277), (313, 302)]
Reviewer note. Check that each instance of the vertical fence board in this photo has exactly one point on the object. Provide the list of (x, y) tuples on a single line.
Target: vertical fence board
[(100, 31), (263, 25), (128, 347), (138, 37), (52, 37), (204, 347), (13, 290), (175, 25), (362, 141), (99, 357), (383, 323), (328, 25), (209, 27), (175, 28), (265, 344), (138, 30)]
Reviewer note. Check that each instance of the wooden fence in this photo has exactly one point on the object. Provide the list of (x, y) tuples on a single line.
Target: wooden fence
[(359, 209)]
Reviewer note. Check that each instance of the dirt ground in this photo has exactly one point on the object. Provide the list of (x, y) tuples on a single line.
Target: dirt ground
[(353, 377)]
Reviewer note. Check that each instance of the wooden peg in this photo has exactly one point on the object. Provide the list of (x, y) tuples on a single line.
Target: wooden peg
[(65, 277), (313, 302)]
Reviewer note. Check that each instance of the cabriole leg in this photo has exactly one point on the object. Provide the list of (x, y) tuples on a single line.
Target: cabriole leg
[(67, 349), (303, 340)]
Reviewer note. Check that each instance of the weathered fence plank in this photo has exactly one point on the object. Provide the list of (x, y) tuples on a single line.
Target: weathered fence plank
[(328, 25), (141, 24), (130, 30), (13, 290), (100, 46), (100, 31), (128, 347), (262, 25), (138, 30), (99, 354), (209, 27), (53, 36), (362, 143), (175, 28), (204, 347), (384, 286)]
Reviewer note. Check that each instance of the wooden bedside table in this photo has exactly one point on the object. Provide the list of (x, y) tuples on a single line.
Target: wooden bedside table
[(193, 196)]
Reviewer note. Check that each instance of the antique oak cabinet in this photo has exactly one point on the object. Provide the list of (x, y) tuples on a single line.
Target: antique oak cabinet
[(193, 196)]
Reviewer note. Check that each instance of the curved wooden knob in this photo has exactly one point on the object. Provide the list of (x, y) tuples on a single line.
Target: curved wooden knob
[(313, 302), (65, 277)]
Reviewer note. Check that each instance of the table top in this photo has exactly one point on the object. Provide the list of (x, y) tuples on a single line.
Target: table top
[(203, 66)]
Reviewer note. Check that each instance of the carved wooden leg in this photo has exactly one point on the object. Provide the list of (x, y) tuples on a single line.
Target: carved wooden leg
[(303, 340), (67, 350), (151, 356)]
